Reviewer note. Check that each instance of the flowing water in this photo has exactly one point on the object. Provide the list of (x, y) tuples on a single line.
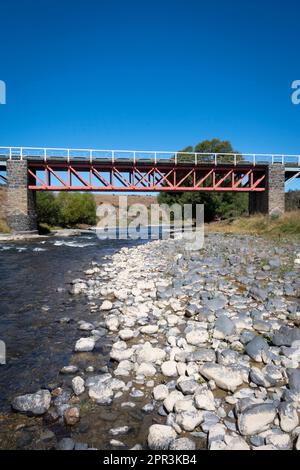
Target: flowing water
[(34, 297)]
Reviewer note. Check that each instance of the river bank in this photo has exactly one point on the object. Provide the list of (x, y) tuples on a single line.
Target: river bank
[(178, 350)]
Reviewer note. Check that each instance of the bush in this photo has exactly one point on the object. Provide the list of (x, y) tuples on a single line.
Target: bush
[(216, 205), (66, 209)]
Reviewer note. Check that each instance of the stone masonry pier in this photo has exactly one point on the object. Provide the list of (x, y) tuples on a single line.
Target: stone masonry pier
[(21, 208)]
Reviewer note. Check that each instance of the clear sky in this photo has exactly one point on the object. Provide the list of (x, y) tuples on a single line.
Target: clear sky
[(151, 75)]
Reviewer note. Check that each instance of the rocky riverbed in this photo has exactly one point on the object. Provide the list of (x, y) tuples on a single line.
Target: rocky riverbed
[(201, 351)]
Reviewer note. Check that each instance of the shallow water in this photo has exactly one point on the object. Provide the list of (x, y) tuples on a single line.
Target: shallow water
[(38, 345)]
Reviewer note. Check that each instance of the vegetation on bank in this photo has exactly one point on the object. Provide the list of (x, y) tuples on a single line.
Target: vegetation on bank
[(65, 209), (284, 226), (217, 205), (3, 226)]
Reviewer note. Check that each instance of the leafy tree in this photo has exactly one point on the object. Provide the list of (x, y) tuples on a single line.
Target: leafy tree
[(216, 204), (66, 209), (48, 211)]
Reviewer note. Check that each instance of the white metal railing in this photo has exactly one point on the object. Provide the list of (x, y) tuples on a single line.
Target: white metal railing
[(140, 156)]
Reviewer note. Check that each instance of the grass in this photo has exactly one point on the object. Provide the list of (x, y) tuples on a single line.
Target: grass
[(4, 227), (287, 225)]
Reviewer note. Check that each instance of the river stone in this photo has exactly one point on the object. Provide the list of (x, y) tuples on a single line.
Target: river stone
[(256, 418), (285, 336), (226, 378), (66, 443), (204, 398), (256, 347), (288, 417), (223, 327), (189, 420), (85, 326), (126, 334), (197, 336), (106, 305), (71, 416), (149, 329), (78, 385), (146, 369), (85, 344), (160, 392), (119, 430), (171, 399), (183, 443), (202, 355), (149, 354), (101, 394), (169, 369), (188, 386), (160, 436), (112, 323), (36, 403), (69, 369)]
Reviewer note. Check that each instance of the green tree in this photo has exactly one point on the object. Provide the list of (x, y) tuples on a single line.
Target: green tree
[(216, 204), (66, 209), (48, 211)]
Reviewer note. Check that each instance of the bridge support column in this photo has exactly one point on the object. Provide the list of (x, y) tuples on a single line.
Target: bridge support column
[(21, 208), (271, 201)]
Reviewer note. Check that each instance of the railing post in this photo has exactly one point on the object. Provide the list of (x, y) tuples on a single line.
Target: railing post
[(234, 159), (254, 159), (196, 159), (91, 156), (134, 157), (216, 159), (282, 159), (11, 153), (21, 153), (113, 156), (176, 158), (68, 153), (298, 160), (155, 158), (45, 155), (272, 159)]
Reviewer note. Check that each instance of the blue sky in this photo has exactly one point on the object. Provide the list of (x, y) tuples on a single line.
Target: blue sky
[(157, 75)]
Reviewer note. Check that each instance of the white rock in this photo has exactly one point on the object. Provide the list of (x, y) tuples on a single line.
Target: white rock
[(189, 420), (149, 354), (126, 334), (160, 436), (106, 305), (204, 398), (226, 378), (36, 403), (147, 369), (112, 323), (256, 418), (196, 337), (85, 344), (169, 369), (149, 329), (160, 392), (78, 385), (289, 419), (171, 399)]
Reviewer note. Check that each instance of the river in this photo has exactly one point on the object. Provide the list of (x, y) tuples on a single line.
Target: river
[(34, 297)]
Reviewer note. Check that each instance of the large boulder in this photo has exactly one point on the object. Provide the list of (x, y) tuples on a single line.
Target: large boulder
[(36, 403), (226, 378), (256, 418)]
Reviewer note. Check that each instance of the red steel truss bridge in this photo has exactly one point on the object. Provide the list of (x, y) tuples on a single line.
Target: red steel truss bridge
[(62, 169)]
